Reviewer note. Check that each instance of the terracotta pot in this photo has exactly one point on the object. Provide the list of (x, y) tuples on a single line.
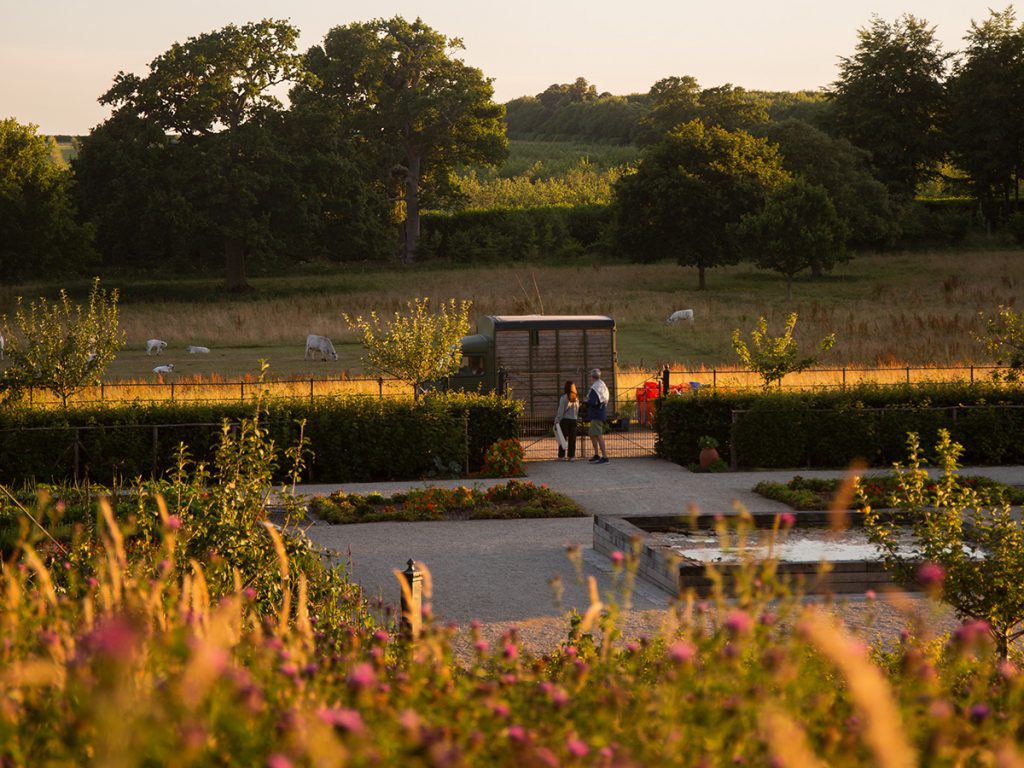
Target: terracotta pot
[(708, 456)]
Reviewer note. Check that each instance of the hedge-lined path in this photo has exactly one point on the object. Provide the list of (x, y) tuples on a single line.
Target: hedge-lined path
[(497, 571)]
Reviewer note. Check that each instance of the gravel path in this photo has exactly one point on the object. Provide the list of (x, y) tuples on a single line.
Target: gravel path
[(506, 573)]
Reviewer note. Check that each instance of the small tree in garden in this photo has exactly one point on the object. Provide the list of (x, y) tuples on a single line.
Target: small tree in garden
[(1004, 341), (964, 542), (61, 346), (418, 346), (775, 356)]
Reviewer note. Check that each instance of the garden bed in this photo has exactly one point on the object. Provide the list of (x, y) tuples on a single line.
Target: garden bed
[(515, 499), (803, 493)]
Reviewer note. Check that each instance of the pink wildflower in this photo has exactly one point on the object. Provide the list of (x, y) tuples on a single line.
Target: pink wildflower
[(277, 760), (173, 522), (788, 519), (576, 747), (617, 557), (738, 622), (345, 719), (682, 651), (510, 651), (931, 575), (517, 733), (361, 676)]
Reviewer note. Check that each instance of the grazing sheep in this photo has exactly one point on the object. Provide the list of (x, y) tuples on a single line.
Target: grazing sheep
[(194, 350), (169, 368), (155, 344), (322, 345), (681, 314)]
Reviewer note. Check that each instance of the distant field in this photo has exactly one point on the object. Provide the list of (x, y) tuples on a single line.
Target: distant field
[(551, 159), (886, 310)]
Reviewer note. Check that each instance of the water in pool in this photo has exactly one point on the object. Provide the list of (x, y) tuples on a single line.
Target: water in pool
[(808, 545)]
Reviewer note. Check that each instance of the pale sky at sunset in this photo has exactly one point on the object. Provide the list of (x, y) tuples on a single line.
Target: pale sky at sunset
[(57, 57)]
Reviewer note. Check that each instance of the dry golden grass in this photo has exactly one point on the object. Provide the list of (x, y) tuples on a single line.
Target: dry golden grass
[(885, 309)]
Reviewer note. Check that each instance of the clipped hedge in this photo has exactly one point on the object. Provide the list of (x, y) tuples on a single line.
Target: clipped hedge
[(830, 428), (352, 438)]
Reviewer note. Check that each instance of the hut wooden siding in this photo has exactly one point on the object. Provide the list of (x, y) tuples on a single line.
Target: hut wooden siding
[(539, 354)]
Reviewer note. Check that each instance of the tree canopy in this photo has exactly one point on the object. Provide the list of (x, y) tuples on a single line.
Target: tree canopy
[(986, 106), (423, 111), (216, 92), (889, 99), (39, 227), (689, 192)]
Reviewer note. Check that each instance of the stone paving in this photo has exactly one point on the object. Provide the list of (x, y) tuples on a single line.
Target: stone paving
[(500, 570)]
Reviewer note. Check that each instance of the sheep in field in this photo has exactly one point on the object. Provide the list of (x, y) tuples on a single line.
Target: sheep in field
[(322, 345), (192, 349), (681, 314), (169, 368), (155, 345)]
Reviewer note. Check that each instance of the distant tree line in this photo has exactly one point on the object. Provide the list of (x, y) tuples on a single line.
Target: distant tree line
[(201, 168)]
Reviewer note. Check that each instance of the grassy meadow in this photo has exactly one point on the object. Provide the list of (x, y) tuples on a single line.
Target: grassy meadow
[(887, 310)]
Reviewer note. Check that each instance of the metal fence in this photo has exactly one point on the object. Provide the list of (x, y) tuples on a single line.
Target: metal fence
[(678, 381), (225, 391)]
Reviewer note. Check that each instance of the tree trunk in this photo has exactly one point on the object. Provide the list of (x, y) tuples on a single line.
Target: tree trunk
[(234, 262), (700, 277), (412, 208), (789, 287)]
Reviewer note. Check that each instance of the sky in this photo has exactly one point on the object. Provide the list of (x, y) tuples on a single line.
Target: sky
[(57, 57)]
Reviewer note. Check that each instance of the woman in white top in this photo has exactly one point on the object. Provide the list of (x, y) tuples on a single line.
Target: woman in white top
[(568, 412)]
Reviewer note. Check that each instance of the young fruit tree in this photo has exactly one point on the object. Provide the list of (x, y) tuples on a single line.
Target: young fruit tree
[(61, 346), (775, 356), (964, 542), (418, 346), (1004, 342)]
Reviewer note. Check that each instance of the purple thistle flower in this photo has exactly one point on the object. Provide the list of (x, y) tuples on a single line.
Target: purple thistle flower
[(173, 523), (510, 651), (277, 760), (348, 720), (381, 636), (980, 712), (517, 733)]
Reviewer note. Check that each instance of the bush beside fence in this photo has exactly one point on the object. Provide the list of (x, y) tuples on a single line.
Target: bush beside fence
[(351, 438), (832, 428)]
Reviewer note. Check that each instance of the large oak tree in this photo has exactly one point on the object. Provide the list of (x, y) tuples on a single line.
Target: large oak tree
[(420, 111), (216, 94)]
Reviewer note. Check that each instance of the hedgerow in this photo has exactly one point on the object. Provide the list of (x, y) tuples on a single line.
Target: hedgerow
[(351, 438), (830, 428)]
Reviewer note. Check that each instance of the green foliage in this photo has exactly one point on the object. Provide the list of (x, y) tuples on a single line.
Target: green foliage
[(504, 458), (217, 93), (1004, 341), (396, 439), (513, 500), (931, 223), (675, 101), (61, 346), (423, 110), (970, 535), (502, 235), (418, 346), (860, 200), (39, 231), (775, 356), (986, 117), (706, 441), (797, 229), (689, 192), (889, 100), (575, 111), (807, 494), (831, 428), (581, 185)]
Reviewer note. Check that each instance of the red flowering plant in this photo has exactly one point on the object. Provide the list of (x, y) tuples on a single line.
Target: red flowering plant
[(505, 458)]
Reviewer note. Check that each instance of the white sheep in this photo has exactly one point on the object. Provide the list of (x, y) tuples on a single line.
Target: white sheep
[(192, 349), (681, 314), (169, 368), (322, 345), (155, 344)]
